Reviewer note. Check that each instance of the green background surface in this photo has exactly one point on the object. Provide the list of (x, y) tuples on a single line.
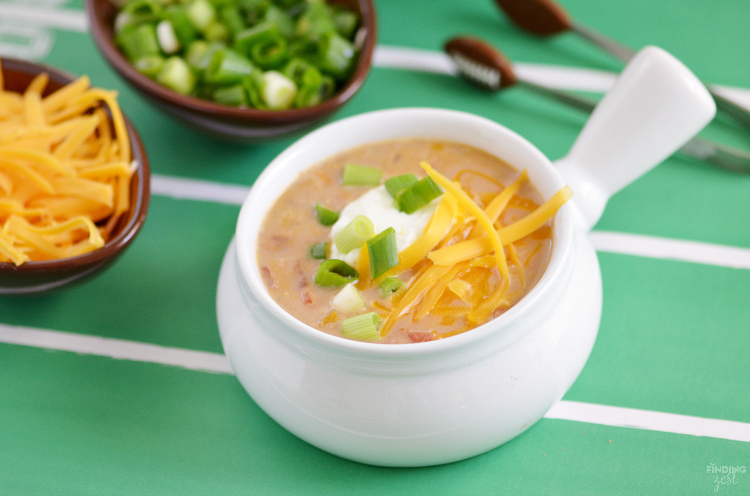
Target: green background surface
[(674, 336)]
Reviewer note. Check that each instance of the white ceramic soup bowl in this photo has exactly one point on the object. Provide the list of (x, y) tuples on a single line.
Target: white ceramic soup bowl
[(446, 400)]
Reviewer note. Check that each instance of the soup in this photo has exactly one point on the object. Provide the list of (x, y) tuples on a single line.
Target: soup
[(447, 278)]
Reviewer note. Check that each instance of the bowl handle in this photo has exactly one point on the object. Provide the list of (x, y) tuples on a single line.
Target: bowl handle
[(655, 106)]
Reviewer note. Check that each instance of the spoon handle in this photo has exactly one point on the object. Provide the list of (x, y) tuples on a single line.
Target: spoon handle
[(703, 150), (656, 106), (623, 53), (618, 50)]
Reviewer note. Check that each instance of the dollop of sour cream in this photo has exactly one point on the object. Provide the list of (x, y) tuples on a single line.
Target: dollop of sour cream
[(377, 205)]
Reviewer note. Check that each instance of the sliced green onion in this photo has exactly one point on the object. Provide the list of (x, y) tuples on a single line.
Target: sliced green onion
[(123, 20), (167, 38), (227, 67), (397, 183), (363, 326), (354, 235), (255, 10), (308, 79), (383, 252), (335, 273), (201, 14), (177, 76), (138, 41), (346, 22), (141, 11), (315, 21), (418, 195), (359, 175), (232, 19), (183, 28), (201, 53), (150, 65), (348, 300), (217, 31), (264, 44), (337, 55), (234, 96), (318, 251), (325, 216), (390, 285), (254, 83), (278, 90), (281, 20)]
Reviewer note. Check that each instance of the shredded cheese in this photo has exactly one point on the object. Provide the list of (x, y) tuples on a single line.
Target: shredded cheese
[(65, 165), (460, 250), (468, 204), (477, 247)]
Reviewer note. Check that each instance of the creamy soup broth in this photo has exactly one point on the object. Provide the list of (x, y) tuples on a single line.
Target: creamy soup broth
[(291, 228)]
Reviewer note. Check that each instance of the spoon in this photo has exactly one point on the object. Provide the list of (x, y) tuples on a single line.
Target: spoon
[(546, 18), (486, 67)]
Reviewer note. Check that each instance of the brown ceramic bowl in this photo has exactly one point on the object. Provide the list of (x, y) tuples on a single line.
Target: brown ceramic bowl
[(230, 123), (35, 277)]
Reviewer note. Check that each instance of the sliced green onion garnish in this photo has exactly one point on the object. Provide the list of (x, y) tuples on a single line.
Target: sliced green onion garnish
[(354, 235), (143, 10), (167, 38), (183, 28), (254, 83), (359, 175), (201, 13), (138, 41), (264, 44), (325, 216), (348, 300), (397, 183), (283, 22), (227, 67), (418, 195), (390, 285), (383, 252), (363, 326), (335, 273), (318, 251), (177, 76), (278, 90), (337, 55), (315, 21), (234, 96), (232, 18), (217, 31), (346, 22), (150, 65)]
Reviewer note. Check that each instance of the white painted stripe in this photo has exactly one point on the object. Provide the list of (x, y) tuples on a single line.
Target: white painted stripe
[(566, 78), (648, 420), (194, 189), (413, 59), (218, 363), (115, 348), (671, 249), (71, 20)]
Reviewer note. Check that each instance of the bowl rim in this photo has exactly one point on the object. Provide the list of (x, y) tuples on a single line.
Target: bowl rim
[(115, 245), (103, 37), (555, 271)]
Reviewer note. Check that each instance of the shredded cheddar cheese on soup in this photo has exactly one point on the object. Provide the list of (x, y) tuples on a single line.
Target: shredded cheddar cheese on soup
[(65, 170), (463, 251)]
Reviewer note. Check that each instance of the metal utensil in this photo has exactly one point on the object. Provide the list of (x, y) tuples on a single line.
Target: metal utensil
[(546, 18), (485, 66)]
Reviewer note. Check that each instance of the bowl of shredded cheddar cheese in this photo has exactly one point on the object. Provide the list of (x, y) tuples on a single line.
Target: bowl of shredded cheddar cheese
[(74, 178)]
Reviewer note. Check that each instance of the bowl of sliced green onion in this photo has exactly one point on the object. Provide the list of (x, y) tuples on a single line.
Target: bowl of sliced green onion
[(240, 70)]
